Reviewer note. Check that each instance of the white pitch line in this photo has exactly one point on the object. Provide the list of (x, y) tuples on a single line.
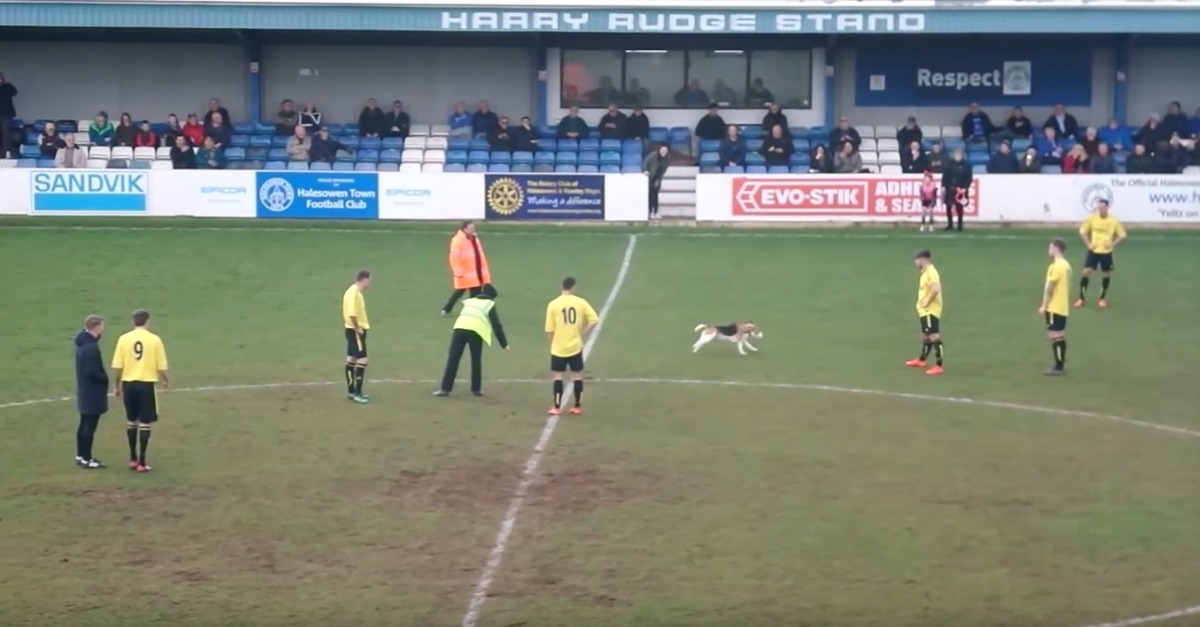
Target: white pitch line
[(1156, 618), (528, 474)]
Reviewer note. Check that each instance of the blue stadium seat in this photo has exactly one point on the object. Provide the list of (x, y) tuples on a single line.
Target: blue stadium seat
[(543, 158), (342, 155), (297, 165), (755, 169), (522, 156), (458, 143), (631, 161), (613, 145), (252, 165), (753, 145), (320, 165), (588, 169), (239, 128), (260, 141), (683, 149), (456, 156), (31, 138), (631, 145), (370, 143), (279, 141), (522, 167), (47, 163), (349, 141), (612, 158), (800, 169), (953, 143), (610, 169), (543, 167), (235, 154), (710, 169), (16, 123), (477, 167), (800, 158), (388, 167), (338, 130), (659, 134), (564, 168), (629, 169), (389, 155), (681, 135), (367, 155), (752, 132), (709, 145), (275, 165), (979, 168), (118, 164), (548, 145), (753, 158), (546, 131), (799, 132), (709, 158), (978, 158), (393, 143), (1120, 159), (567, 145), (589, 145), (343, 166), (365, 166), (1021, 144), (70, 126), (241, 141), (455, 167), (263, 128), (277, 154), (229, 165), (567, 158), (1051, 169), (819, 132), (40, 125), (734, 169), (479, 156), (593, 158), (480, 144), (26, 163), (801, 145), (778, 169), (30, 151), (500, 156), (498, 167)]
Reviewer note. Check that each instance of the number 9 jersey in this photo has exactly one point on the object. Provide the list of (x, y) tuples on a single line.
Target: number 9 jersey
[(140, 356)]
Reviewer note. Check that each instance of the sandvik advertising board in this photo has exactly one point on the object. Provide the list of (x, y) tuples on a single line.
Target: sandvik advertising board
[(89, 192), (317, 195), (545, 196)]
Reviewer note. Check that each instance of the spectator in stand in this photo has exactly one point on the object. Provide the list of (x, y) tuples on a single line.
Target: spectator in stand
[(910, 133), (1003, 161), (214, 107), (371, 120), (956, 182), (50, 142), (1091, 141), (759, 96), (173, 130), (145, 137), (914, 160), (500, 138), (70, 155), (614, 124), (525, 137), (1154, 136), (101, 130), (820, 161), (460, 121), (636, 96), (777, 147), (638, 125), (844, 132), (325, 148), (210, 156), (848, 160), (1077, 161), (397, 121), (1139, 162), (1050, 147), (1064, 124), (693, 95), (192, 130), (937, 158), (183, 156), (1030, 162), (572, 126), (733, 150), (1116, 136), (125, 132), (711, 127), (605, 92), (299, 145), (1194, 124), (725, 95), (484, 120), (1018, 125), (775, 117), (219, 131), (286, 119), (1176, 121), (310, 117), (8, 112), (977, 127), (1103, 162)]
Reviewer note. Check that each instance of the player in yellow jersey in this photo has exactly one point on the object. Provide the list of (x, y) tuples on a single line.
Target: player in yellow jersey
[(1056, 304), (569, 319), (354, 318), (929, 311), (1101, 233), (139, 363)]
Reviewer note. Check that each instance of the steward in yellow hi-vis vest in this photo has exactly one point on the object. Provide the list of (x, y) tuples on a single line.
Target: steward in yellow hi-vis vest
[(476, 324)]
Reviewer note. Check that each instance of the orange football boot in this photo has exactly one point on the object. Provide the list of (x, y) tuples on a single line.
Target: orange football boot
[(575, 411), (144, 468), (915, 363), (1079, 304), (1102, 303), (935, 370), (554, 411)]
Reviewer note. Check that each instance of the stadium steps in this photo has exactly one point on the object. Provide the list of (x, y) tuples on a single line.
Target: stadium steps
[(677, 199)]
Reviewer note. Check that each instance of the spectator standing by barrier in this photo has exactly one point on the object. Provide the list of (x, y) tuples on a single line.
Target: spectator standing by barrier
[(325, 148), (299, 145), (397, 121), (956, 181), (910, 133), (50, 142), (125, 133), (848, 160), (310, 117), (8, 112), (1003, 161), (101, 131), (91, 390), (70, 155), (210, 156), (183, 156), (655, 166), (145, 138), (371, 120), (733, 150), (525, 137)]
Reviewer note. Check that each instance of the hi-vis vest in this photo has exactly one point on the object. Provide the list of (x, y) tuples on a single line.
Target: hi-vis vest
[(474, 317)]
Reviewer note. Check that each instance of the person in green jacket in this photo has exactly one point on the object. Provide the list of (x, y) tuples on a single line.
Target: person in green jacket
[(476, 324), (655, 166)]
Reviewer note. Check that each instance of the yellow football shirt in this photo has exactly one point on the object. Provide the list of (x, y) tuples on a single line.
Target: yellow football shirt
[(929, 276), (1101, 232), (140, 356), (1059, 273), (354, 305), (566, 318)]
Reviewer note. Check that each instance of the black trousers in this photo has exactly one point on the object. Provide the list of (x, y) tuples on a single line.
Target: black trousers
[(86, 434), (6, 136), (654, 189), (460, 340), (457, 294), (954, 205)]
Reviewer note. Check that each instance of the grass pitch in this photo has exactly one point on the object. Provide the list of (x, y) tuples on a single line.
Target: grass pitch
[(817, 500)]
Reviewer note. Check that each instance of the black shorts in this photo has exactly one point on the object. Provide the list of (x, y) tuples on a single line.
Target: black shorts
[(356, 345), (930, 325), (1099, 261), (141, 404), (1055, 322), (929, 203), (574, 363)]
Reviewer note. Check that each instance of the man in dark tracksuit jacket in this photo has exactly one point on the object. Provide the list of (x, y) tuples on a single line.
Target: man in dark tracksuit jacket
[(956, 181), (91, 390)]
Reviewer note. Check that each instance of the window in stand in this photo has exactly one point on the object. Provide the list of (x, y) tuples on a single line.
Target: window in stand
[(654, 77), (591, 78), (722, 75), (780, 76)]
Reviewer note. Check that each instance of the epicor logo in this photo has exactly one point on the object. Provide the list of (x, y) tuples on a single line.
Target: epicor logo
[(410, 193), (222, 190)]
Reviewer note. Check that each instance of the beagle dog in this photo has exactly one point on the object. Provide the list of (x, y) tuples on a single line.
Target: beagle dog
[(738, 333)]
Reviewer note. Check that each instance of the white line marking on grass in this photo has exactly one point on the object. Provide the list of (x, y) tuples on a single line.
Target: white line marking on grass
[(509, 522), (1156, 618)]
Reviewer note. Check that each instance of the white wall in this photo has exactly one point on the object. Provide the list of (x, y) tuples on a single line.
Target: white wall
[(688, 117), (63, 80), (1103, 85), (429, 81), (1159, 75)]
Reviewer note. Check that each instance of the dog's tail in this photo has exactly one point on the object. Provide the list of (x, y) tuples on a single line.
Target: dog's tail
[(699, 328)]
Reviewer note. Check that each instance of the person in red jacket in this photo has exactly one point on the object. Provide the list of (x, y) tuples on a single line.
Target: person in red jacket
[(145, 138), (193, 130)]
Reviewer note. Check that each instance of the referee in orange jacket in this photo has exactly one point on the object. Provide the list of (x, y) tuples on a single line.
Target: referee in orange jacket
[(468, 265)]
